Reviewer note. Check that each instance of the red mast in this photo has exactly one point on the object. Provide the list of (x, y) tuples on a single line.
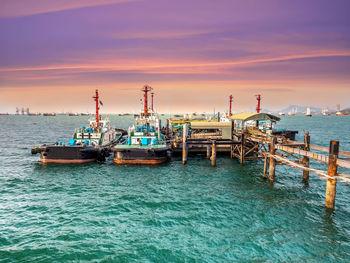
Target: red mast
[(258, 97), (230, 112), (152, 101), (146, 89), (96, 98)]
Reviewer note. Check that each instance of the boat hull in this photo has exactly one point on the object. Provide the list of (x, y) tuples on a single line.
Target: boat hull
[(68, 154), (140, 156)]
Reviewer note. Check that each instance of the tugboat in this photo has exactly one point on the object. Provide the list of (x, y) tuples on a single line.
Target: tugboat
[(87, 145), (144, 143)]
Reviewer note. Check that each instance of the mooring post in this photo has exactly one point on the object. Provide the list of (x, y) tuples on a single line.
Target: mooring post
[(208, 151), (213, 154), (184, 144), (242, 148), (272, 161), (232, 129), (306, 160), (331, 189)]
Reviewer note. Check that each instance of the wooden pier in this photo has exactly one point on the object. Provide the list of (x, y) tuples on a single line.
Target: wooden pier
[(252, 144)]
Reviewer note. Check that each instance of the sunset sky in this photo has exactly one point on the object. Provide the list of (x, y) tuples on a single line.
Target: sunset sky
[(194, 53)]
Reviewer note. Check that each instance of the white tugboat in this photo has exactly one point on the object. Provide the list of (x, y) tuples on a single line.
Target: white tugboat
[(144, 143)]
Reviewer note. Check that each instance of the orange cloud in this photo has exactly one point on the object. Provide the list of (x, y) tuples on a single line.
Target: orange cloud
[(177, 67)]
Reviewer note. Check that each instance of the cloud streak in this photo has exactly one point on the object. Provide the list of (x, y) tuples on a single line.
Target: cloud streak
[(18, 8), (183, 67)]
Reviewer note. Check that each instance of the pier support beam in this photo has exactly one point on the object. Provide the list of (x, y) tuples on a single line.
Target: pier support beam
[(213, 154), (306, 160), (272, 161), (331, 189), (208, 151), (265, 167), (242, 149), (184, 144)]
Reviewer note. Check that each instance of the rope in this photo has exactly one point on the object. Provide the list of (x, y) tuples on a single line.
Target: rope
[(316, 171)]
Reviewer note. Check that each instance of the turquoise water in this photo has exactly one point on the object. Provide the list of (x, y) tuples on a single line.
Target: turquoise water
[(167, 213)]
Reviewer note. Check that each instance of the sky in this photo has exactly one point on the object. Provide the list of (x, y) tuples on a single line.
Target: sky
[(194, 53)]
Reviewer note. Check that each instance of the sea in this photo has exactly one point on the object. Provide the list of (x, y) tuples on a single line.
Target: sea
[(101, 212)]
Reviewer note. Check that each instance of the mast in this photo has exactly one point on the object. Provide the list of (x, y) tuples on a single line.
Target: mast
[(152, 94), (258, 97), (230, 112), (96, 98), (146, 89)]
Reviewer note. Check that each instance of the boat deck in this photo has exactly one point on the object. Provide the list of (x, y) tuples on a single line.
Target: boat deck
[(133, 146)]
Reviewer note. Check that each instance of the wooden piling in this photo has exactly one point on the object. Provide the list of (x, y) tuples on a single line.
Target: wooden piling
[(232, 130), (208, 151), (213, 154), (242, 149), (306, 160), (184, 144), (331, 189), (265, 167), (272, 161)]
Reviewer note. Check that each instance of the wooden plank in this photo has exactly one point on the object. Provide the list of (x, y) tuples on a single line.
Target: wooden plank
[(318, 148), (344, 164), (318, 157), (326, 149)]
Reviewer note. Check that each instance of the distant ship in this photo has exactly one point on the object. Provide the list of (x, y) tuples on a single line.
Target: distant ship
[(339, 113), (49, 114), (325, 112), (308, 112), (293, 112), (281, 114)]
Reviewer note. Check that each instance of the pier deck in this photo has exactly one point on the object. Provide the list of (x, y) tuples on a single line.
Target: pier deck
[(252, 144)]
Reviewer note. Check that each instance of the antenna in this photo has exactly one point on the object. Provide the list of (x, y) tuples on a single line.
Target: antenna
[(230, 110), (152, 94), (97, 108)]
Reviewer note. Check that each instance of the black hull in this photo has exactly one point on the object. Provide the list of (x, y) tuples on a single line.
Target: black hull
[(69, 154), (140, 156)]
